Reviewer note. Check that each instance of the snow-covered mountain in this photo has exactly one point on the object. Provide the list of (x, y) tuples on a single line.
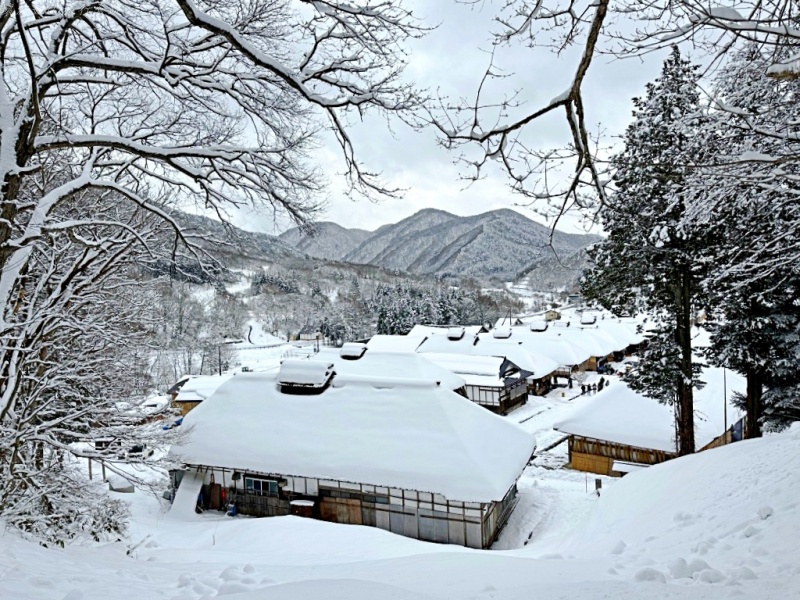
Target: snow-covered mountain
[(325, 240), (557, 273), (500, 244), (227, 239)]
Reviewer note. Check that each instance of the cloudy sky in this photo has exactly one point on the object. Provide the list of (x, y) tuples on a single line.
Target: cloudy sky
[(450, 61)]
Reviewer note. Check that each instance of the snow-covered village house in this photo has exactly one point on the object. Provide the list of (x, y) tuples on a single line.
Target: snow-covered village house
[(499, 376), (493, 382), (361, 360), (309, 333), (407, 456), (620, 430), (191, 390)]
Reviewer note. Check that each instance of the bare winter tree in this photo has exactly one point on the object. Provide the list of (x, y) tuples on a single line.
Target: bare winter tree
[(110, 111), (575, 175)]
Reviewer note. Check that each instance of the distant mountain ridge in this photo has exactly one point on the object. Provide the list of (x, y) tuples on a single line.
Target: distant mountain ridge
[(325, 240), (500, 244)]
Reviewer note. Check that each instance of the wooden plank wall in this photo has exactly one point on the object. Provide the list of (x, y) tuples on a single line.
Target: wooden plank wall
[(591, 463), (597, 456)]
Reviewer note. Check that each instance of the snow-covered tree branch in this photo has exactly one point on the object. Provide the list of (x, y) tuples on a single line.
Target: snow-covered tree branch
[(113, 113), (486, 131)]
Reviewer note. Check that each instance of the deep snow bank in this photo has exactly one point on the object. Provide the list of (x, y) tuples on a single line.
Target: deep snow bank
[(714, 525), (727, 514)]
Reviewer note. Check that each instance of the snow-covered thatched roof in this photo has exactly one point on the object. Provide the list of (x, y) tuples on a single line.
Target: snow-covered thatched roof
[(395, 343), (475, 370), (620, 415), (426, 330), (197, 389), (410, 435), (440, 342), (393, 366), (554, 347), (536, 363), (486, 344)]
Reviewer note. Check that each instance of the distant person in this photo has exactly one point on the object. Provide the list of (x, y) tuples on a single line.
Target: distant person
[(583, 389), (594, 388)]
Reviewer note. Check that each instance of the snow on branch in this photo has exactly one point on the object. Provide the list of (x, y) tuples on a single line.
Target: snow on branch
[(488, 126)]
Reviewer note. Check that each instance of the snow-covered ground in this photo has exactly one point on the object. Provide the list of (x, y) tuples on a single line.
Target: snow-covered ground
[(722, 523), (262, 351)]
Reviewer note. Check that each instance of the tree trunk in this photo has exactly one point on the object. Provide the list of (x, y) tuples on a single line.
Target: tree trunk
[(684, 391), (755, 390)]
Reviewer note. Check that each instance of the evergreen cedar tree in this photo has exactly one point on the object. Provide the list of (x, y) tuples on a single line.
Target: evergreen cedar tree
[(755, 286), (648, 260)]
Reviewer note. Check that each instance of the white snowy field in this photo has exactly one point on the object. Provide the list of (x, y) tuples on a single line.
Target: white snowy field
[(717, 524)]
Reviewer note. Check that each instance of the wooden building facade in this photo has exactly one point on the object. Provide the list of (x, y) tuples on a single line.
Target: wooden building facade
[(421, 515), (607, 458), (499, 399)]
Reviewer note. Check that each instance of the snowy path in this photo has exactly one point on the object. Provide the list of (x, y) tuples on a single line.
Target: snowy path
[(552, 500)]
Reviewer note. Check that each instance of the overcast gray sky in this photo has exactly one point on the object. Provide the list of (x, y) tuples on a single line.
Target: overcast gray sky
[(452, 59)]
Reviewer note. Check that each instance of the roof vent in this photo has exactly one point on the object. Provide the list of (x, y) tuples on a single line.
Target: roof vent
[(352, 350), (455, 333), (501, 333), (539, 326), (588, 319), (299, 376)]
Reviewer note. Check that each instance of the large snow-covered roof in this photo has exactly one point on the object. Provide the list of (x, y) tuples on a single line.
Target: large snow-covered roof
[(623, 332), (475, 370), (557, 348), (534, 362), (486, 345), (426, 330), (466, 363), (395, 343), (618, 414), (197, 389), (440, 342), (394, 365), (416, 436), (586, 338)]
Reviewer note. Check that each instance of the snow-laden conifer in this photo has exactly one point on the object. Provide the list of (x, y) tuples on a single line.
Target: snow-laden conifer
[(649, 260)]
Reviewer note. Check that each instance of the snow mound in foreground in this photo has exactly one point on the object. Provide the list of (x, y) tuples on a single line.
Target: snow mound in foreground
[(714, 525), (725, 515)]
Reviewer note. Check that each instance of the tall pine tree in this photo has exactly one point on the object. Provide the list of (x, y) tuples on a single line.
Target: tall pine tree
[(755, 282), (648, 260)]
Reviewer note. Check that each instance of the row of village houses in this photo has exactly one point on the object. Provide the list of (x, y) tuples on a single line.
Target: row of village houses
[(500, 367), (394, 433)]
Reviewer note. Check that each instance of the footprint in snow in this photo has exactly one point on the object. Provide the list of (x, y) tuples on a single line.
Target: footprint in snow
[(230, 574), (709, 576), (750, 531), (650, 575)]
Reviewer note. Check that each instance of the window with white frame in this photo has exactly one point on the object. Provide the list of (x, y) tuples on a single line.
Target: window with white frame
[(260, 487)]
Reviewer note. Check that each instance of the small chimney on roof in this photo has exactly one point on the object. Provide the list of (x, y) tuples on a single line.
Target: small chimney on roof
[(538, 326), (455, 333), (501, 333), (352, 350), (305, 377)]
